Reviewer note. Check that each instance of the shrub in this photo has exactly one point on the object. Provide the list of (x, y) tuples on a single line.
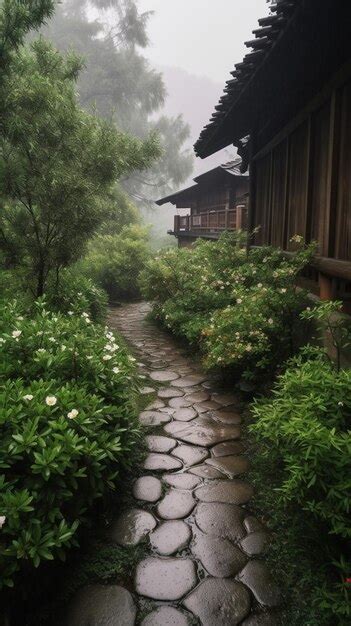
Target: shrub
[(305, 431), (75, 292), (67, 427), (241, 308), (114, 262)]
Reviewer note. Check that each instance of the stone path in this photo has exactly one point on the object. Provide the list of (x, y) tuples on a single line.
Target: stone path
[(191, 503)]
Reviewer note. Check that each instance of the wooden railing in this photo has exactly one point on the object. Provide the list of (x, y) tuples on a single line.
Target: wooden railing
[(211, 221)]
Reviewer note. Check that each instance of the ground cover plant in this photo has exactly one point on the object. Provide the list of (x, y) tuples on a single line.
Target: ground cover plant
[(241, 308), (304, 435), (67, 429)]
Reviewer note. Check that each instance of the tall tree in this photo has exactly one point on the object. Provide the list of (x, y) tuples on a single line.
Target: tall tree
[(58, 164)]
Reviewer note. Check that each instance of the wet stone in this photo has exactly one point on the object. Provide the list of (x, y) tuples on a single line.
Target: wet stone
[(227, 417), (161, 462), (230, 465), (158, 404), (166, 616), (258, 579), (156, 443), (198, 396), (255, 543), (168, 410), (205, 471), (253, 525), (170, 392), (218, 556), (132, 526), (185, 415), (189, 381), (165, 579), (164, 376), (261, 619), (170, 537), (226, 399), (101, 605), (227, 491), (228, 448), (220, 520), (145, 391), (148, 489), (181, 481), (204, 432), (180, 403), (154, 418), (208, 405), (190, 455), (176, 504), (219, 602)]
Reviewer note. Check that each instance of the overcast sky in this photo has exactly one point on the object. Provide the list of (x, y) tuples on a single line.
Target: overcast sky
[(204, 37)]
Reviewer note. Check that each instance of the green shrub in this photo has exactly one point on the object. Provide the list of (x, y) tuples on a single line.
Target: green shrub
[(67, 427), (305, 429), (75, 292), (241, 308), (114, 262)]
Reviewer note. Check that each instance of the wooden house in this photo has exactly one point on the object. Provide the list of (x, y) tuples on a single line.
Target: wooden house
[(216, 202), (287, 108)]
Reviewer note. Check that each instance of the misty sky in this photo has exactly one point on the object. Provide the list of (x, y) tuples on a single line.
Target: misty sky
[(204, 37)]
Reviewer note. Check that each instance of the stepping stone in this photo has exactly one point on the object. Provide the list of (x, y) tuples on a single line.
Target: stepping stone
[(154, 418), (221, 520), (176, 504), (253, 525), (158, 404), (228, 491), (175, 427), (170, 392), (226, 399), (190, 455), (189, 381), (103, 605), (156, 443), (145, 391), (219, 602), (208, 405), (218, 556), (185, 415), (165, 579), (148, 489), (227, 417), (205, 471), (203, 432), (258, 579), (198, 396), (164, 376), (255, 543), (161, 462), (180, 403), (228, 448), (181, 481), (132, 526), (170, 537), (230, 465), (261, 619), (166, 616)]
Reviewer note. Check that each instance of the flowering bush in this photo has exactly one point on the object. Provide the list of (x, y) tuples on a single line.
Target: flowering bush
[(67, 427), (75, 292), (241, 308), (305, 429)]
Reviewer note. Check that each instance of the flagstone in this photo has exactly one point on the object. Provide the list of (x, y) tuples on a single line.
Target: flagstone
[(165, 579), (227, 448), (259, 580), (170, 537), (161, 462), (101, 604), (147, 488), (255, 543), (181, 481), (230, 465), (219, 556), (164, 376), (190, 455), (219, 602), (185, 415), (157, 443), (228, 491), (166, 616), (132, 526), (170, 392), (176, 504), (220, 520)]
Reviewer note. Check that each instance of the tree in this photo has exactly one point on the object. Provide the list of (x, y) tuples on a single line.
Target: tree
[(118, 79), (58, 164)]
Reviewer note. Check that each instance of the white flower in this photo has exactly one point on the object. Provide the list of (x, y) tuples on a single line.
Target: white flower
[(239, 301), (89, 358), (340, 404), (270, 321), (132, 359), (107, 357), (39, 333), (20, 318), (41, 350), (88, 321), (16, 334), (70, 313), (79, 293), (2, 340), (72, 414), (52, 339), (51, 400), (28, 397), (116, 370), (259, 285), (283, 290), (85, 315), (63, 348), (2, 520), (109, 348)]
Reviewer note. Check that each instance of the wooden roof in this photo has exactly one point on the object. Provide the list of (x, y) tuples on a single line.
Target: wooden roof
[(293, 53)]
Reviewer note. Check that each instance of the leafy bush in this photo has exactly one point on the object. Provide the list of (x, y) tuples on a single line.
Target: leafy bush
[(241, 308), (114, 262), (305, 430), (67, 427), (74, 292)]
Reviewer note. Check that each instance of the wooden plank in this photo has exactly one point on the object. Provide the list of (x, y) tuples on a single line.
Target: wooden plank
[(329, 247)]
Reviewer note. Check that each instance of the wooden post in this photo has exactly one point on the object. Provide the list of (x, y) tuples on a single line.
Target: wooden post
[(187, 226), (325, 287), (252, 190)]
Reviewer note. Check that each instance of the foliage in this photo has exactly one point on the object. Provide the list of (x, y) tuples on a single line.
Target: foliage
[(58, 165), (305, 430), (75, 292), (114, 262), (67, 427), (241, 308)]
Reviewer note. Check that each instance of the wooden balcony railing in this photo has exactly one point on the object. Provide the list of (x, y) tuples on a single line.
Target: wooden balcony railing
[(211, 221)]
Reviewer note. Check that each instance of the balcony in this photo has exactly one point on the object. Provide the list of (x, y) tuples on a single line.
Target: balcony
[(210, 224)]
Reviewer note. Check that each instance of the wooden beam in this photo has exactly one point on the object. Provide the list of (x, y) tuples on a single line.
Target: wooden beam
[(329, 240)]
